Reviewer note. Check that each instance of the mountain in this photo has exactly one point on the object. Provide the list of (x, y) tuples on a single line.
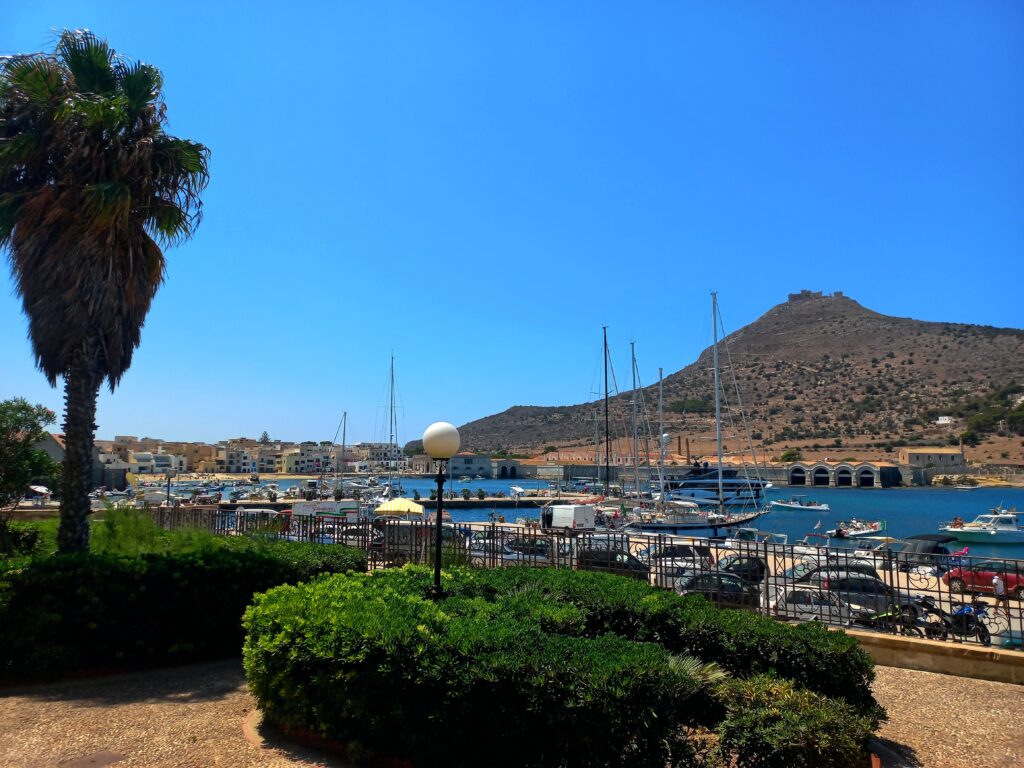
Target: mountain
[(816, 369)]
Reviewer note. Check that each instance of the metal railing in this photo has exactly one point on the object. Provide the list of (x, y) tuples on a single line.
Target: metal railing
[(927, 594)]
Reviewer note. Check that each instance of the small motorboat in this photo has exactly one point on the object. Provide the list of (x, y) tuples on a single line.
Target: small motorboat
[(799, 504), (1000, 526), (855, 529)]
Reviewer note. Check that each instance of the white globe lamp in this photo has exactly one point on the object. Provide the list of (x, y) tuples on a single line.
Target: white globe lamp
[(441, 441)]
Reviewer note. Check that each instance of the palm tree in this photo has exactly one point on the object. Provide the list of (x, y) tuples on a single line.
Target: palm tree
[(91, 188)]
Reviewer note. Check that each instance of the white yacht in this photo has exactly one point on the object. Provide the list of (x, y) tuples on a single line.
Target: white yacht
[(1000, 526)]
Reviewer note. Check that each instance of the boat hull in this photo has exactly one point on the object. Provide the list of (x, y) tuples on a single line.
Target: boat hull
[(799, 507), (985, 536)]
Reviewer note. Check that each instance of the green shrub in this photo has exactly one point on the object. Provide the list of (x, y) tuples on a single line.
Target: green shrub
[(745, 644), (126, 532), (770, 722), (73, 612), (350, 657), (469, 680)]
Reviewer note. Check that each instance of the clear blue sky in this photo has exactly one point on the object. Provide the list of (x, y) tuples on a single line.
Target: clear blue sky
[(479, 186)]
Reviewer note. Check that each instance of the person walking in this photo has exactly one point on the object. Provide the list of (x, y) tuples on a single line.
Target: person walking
[(1002, 599)]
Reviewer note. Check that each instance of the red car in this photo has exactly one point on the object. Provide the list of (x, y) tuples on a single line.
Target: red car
[(977, 577)]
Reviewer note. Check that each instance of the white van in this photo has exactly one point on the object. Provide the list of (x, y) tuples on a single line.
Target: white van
[(579, 516)]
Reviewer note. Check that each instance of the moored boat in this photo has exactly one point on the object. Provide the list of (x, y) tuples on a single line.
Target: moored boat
[(855, 529), (1000, 526), (798, 503)]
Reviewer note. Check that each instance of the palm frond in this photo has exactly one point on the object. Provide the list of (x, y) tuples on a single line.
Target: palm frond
[(89, 60), (140, 84), (704, 673), (37, 78)]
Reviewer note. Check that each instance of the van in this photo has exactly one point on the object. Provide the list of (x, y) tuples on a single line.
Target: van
[(580, 516)]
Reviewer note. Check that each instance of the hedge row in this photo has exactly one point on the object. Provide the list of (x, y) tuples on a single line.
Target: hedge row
[(743, 643), (534, 667), (60, 613)]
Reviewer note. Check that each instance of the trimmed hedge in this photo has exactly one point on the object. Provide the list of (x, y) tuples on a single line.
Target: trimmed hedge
[(68, 613), (464, 681), (743, 643), (527, 666)]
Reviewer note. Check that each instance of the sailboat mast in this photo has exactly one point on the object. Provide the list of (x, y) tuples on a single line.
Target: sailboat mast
[(341, 459), (636, 448), (661, 437), (607, 434), (718, 398), (391, 427), (597, 450)]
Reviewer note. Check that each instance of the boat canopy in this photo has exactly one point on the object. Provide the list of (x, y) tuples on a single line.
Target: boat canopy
[(399, 507)]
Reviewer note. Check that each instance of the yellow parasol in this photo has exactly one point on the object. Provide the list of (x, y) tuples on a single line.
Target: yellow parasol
[(399, 507)]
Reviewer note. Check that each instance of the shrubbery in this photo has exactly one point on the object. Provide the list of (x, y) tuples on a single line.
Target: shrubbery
[(743, 643), (525, 666), (73, 612), (771, 723)]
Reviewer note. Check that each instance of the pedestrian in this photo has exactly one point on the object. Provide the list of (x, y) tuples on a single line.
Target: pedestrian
[(1002, 599)]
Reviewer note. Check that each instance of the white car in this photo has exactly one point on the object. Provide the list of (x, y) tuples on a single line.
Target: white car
[(807, 603)]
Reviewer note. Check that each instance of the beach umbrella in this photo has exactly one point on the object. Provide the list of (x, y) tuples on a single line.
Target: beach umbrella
[(399, 507), (40, 489)]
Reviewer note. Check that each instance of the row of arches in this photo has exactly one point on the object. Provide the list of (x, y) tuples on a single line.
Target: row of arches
[(841, 477)]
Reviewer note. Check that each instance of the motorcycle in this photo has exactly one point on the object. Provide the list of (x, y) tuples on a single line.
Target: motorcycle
[(892, 619), (966, 620)]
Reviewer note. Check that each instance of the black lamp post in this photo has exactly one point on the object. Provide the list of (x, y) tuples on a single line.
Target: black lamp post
[(441, 441)]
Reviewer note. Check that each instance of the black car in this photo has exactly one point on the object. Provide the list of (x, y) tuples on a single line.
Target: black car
[(750, 569), (613, 561), (927, 550), (720, 587)]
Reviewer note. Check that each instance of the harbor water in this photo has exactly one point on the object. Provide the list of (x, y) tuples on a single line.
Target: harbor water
[(905, 511)]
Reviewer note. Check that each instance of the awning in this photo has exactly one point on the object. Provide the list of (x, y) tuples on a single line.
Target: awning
[(399, 507)]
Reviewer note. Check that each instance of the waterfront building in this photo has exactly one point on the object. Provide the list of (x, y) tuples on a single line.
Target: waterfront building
[(472, 464), (934, 457), (845, 474)]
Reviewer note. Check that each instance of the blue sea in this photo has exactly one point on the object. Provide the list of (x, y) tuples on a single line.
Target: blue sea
[(906, 511)]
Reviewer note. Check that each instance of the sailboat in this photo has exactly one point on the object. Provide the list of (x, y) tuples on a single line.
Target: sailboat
[(678, 513), (393, 485)]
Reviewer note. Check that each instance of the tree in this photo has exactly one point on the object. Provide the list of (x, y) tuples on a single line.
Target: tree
[(91, 188), (791, 454), (22, 426), (265, 438)]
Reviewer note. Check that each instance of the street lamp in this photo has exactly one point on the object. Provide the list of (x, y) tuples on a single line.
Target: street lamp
[(441, 441)]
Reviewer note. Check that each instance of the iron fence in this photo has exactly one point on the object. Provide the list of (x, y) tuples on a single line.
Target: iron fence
[(926, 592)]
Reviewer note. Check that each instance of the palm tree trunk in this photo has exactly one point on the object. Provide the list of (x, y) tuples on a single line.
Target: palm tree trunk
[(81, 389)]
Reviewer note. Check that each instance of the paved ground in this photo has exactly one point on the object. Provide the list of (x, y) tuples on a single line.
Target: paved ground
[(192, 717)]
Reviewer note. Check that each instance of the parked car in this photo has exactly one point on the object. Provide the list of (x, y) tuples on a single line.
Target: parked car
[(928, 550), (720, 587), (865, 592), (977, 577), (613, 561), (806, 603), (751, 569), (670, 561), (808, 569)]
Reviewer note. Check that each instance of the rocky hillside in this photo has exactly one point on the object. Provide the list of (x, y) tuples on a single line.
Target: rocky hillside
[(816, 368)]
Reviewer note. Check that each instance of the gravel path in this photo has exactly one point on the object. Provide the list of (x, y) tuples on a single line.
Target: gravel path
[(192, 717)]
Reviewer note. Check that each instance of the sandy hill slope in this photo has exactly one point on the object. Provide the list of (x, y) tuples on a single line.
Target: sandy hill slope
[(815, 369)]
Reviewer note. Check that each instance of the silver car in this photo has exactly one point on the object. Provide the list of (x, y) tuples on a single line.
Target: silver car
[(805, 603)]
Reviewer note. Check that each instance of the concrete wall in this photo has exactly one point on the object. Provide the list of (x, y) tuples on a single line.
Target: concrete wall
[(946, 658)]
